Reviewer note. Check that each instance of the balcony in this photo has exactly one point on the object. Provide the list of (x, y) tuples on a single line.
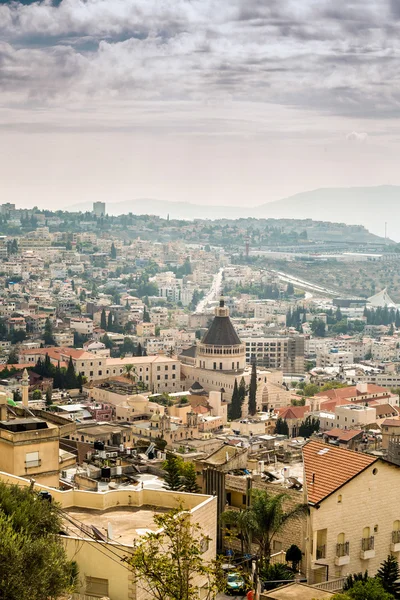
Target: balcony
[(321, 552), (342, 554), (367, 548), (395, 545)]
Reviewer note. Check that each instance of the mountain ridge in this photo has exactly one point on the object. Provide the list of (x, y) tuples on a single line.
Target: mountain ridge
[(369, 206)]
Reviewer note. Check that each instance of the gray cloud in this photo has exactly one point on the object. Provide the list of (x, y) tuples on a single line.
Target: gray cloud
[(334, 58)]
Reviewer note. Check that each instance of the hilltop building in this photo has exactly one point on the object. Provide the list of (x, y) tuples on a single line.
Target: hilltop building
[(220, 359)]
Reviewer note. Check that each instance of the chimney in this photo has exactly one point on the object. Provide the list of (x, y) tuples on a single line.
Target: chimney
[(3, 406)]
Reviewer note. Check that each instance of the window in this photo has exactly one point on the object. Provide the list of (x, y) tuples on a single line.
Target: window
[(32, 459), (100, 372), (214, 365), (91, 373), (220, 366), (339, 499), (158, 368), (96, 586), (158, 377), (277, 546), (173, 376), (173, 367), (165, 376), (166, 367)]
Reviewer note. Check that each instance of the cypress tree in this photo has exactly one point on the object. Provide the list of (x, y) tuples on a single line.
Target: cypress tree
[(235, 407), (103, 320), (70, 377), (139, 351), (253, 390), (109, 321)]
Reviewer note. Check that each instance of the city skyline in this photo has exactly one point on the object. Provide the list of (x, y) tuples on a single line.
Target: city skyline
[(204, 102)]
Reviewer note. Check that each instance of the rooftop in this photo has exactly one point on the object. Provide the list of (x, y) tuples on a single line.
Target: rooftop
[(327, 468), (124, 524)]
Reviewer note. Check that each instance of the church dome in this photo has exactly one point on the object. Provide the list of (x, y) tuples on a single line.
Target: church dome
[(221, 331)]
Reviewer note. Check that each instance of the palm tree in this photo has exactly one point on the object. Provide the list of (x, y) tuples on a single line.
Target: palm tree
[(130, 372), (240, 520), (268, 517)]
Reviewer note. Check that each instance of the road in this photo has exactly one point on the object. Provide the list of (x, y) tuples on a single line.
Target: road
[(306, 285), (213, 293)]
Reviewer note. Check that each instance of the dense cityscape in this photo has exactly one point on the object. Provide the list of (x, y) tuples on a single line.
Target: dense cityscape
[(150, 365)]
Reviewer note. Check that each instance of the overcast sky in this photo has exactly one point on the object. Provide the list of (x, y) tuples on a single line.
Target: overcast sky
[(215, 101)]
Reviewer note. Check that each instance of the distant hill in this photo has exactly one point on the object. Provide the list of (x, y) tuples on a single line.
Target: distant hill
[(367, 206)]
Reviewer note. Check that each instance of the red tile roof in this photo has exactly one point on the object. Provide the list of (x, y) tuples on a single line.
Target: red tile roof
[(343, 435), (352, 392), (293, 412), (327, 468), (391, 422)]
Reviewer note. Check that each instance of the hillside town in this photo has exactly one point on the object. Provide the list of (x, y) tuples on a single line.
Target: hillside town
[(146, 366)]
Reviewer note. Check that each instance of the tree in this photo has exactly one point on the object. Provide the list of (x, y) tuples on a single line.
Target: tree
[(70, 376), (37, 395), (268, 517), (139, 351), (172, 473), (294, 555), (389, 574), (290, 289), (48, 333), (270, 574), (168, 562), (318, 328), (146, 316), (189, 478), (33, 563), (281, 427), (103, 320), (130, 372), (235, 407), (109, 321), (371, 589), (253, 390), (13, 357), (49, 397), (309, 426), (353, 578), (240, 521), (113, 251)]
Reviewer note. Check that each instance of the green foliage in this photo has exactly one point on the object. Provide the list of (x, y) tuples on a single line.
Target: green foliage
[(309, 426), (388, 574), (62, 378), (188, 478), (353, 578), (33, 564), (103, 320), (371, 589), (235, 407), (318, 328), (172, 472), (271, 573), (332, 385), (37, 395), (13, 357), (281, 427), (113, 252), (169, 561), (253, 390), (240, 524), (266, 516), (294, 555), (48, 333)]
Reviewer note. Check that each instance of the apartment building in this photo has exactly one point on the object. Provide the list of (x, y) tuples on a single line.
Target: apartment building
[(278, 352), (102, 563), (82, 325), (354, 514), (158, 373)]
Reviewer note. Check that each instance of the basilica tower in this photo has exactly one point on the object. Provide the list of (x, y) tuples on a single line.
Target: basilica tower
[(221, 349)]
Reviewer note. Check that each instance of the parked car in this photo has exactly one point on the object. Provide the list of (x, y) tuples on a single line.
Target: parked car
[(235, 583)]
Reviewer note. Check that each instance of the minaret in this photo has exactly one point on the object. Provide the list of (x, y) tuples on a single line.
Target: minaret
[(25, 388)]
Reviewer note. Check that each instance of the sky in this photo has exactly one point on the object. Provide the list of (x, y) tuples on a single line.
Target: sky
[(206, 101)]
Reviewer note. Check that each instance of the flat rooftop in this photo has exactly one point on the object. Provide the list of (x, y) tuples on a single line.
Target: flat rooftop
[(125, 524)]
